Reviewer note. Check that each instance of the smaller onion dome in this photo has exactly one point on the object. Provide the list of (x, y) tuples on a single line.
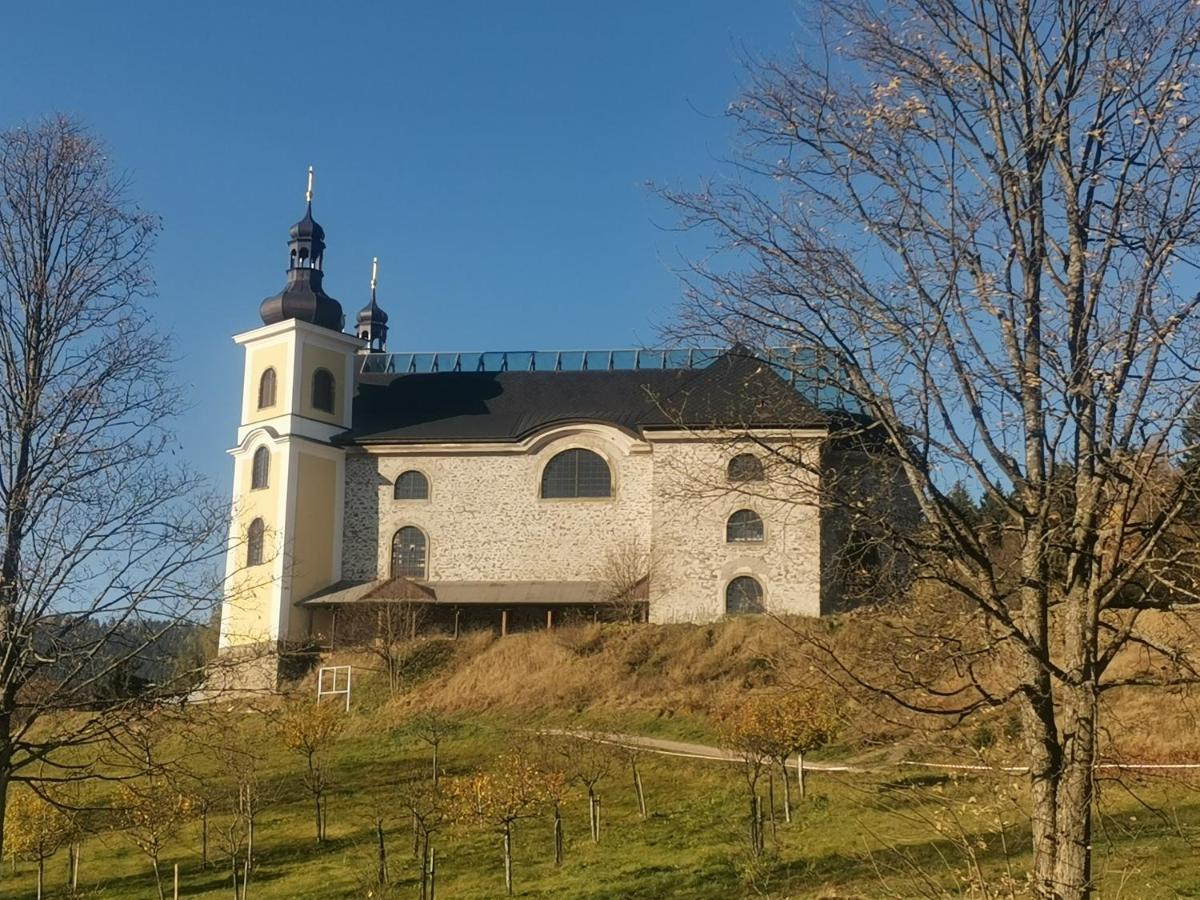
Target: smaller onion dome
[(372, 320)]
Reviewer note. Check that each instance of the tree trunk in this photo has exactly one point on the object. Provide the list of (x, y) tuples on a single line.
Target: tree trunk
[(558, 836), (637, 786), (157, 878), (204, 838), (800, 774), (317, 813), (787, 792), (424, 851), (754, 825), (592, 814), (382, 874), (508, 858), (41, 875), (597, 820), (233, 865), (1076, 786), (432, 874), (5, 762), (435, 765), (771, 805)]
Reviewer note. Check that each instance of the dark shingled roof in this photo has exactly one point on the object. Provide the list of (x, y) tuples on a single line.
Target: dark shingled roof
[(736, 391)]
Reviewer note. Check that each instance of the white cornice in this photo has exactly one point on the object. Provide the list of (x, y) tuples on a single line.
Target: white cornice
[(315, 334), (624, 441)]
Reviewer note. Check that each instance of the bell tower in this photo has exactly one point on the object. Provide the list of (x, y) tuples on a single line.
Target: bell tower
[(286, 519)]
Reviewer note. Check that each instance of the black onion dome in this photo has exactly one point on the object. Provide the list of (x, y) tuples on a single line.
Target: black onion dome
[(307, 302), (372, 313), (303, 297), (308, 227)]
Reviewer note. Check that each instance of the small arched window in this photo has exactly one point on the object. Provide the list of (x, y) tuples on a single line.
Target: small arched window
[(266, 389), (409, 553), (743, 596), (254, 543), (411, 485), (577, 473), (744, 526), (322, 390), (745, 467), (261, 472)]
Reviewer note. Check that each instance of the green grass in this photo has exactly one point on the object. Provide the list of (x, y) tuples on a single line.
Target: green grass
[(854, 836)]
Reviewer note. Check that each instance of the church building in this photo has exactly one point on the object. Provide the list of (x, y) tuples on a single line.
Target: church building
[(509, 490)]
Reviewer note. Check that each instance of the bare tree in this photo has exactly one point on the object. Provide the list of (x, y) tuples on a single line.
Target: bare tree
[(626, 573), (433, 728), (585, 758), (385, 630), (106, 546), (972, 226)]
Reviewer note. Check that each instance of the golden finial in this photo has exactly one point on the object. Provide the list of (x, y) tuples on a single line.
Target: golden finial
[(374, 272), (308, 192)]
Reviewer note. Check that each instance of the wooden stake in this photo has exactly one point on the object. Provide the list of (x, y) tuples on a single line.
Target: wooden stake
[(175, 889), (503, 623)]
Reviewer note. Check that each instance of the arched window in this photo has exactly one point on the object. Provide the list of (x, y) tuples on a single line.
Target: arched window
[(577, 473), (261, 471), (743, 596), (254, 543), (266, 389), (745, 467), (409, 553), (322, 395), (744, 526), (411, 485)]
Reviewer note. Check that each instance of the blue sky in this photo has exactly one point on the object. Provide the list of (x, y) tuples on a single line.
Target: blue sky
[(494, 156)]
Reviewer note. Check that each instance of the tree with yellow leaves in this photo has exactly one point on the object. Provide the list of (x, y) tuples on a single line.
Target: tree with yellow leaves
[(151, 814), (771, 728), (36, 829), (310, 730), (515, 788)]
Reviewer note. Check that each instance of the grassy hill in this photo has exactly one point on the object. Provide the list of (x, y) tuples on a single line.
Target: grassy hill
[(894, 830)]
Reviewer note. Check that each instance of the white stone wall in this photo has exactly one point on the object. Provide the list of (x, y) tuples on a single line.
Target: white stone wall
[(693, 501), (485, 520)]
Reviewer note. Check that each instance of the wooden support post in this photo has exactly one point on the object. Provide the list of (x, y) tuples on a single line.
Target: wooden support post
[(175, 892), (457, 613), (503, 622), (549, 619)]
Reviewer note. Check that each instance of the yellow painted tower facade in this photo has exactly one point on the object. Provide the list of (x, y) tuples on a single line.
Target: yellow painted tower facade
[(288, 474)]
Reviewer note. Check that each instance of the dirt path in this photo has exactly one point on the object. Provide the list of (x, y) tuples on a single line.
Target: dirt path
[(686, 749)]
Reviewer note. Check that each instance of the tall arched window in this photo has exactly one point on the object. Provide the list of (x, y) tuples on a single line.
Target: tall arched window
[(261, 472), (254, 543), (744, 526), (411, 485), (743, 596), (745, 467), (409, 553), (322, 390), (266, 389), (577, 473)]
